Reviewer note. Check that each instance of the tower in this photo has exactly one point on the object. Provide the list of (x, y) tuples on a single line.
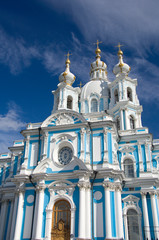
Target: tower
[(124, 104)]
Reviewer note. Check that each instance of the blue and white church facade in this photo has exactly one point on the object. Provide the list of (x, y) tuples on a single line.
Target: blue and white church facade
[(89, 171)]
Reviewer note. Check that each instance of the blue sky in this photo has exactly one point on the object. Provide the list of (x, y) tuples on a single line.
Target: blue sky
[(36, 34)]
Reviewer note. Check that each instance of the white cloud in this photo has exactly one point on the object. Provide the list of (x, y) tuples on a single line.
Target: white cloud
[(134, 23), (10, 125), (15, 53)]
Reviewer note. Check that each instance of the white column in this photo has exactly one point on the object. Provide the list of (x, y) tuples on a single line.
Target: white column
[(24, 165), (10, 219), (73, 223), (38, 213), (82, 209), (18, 223), (154, 214), (45, 141), (3, 216), (88, 147), (12, 165), (105, 146), (140, 159), (108, 226), (88, 212), (82, 132), (14, 216), (147, 157), (146, 217), (118, 210)]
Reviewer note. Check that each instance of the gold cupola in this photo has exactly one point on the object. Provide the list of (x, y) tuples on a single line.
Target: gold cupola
[(98, 68), (121, 67), (67, 76)]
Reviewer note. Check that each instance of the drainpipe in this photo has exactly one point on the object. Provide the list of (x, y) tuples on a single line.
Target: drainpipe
[(30, 179), (95, 174)]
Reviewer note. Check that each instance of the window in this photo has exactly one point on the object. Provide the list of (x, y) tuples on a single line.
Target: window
[(118, 123), (133, 225), (129, 94), (94, 105), (116, 97), (69, 102), (132, 122), (129, 168)]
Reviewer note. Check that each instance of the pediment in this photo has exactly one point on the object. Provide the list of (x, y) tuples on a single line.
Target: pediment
[(63, 117), (127, 149), (46, 165)]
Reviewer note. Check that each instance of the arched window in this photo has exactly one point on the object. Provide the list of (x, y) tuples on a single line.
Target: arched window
[(116, 96), (61, 218), (129, 94), (129, 168), (118, 123), (69, 102), (133, 224), (132, 122), (94, 105)]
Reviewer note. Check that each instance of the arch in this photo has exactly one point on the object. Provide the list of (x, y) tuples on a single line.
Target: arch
[(116, 96), (128, 168), (69, 102), (129, 94), (132, 122), (49, 209), (133, 224), (132, 218), (94, 105), (61, 220)]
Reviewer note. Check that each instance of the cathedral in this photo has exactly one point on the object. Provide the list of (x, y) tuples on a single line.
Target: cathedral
[(88, 171)]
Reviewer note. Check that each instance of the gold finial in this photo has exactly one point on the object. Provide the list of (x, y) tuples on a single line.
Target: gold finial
[(68, 60), (80, 84), (98, 51), (119, 46)]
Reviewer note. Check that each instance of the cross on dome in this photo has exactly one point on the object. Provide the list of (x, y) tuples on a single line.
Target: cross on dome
[(98, 51), (120, 51), (68, 55)]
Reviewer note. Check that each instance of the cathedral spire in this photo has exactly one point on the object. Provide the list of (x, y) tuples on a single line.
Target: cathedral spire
[(98, 67), (98, 51), (121, 67), (67, 76)]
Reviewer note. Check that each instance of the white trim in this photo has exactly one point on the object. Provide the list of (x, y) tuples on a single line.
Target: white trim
[(60, 188), (131, 202)]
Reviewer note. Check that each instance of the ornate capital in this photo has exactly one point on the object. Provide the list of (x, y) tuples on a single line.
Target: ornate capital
[(84, 185), (118, 188), (143, 193), (109, 185), (152, 193)]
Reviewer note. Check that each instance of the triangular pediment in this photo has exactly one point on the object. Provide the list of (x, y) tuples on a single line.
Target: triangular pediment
[(63, 117)]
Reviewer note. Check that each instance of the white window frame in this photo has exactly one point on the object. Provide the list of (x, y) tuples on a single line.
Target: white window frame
[(128, 156), (131, 202), (64, 191)]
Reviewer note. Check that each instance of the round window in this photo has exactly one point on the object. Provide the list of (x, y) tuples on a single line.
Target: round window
[(65, 155)]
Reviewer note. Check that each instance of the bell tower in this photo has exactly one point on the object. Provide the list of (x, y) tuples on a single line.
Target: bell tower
[(124, 104), (66, 96)]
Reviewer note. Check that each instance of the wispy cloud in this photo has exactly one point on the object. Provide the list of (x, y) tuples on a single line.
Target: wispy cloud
[(15, 53), (10, 125), (134, 23)]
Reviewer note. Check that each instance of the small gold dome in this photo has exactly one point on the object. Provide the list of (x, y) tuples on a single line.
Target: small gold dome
[(98, 51), (67, 61), (120, 52)]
